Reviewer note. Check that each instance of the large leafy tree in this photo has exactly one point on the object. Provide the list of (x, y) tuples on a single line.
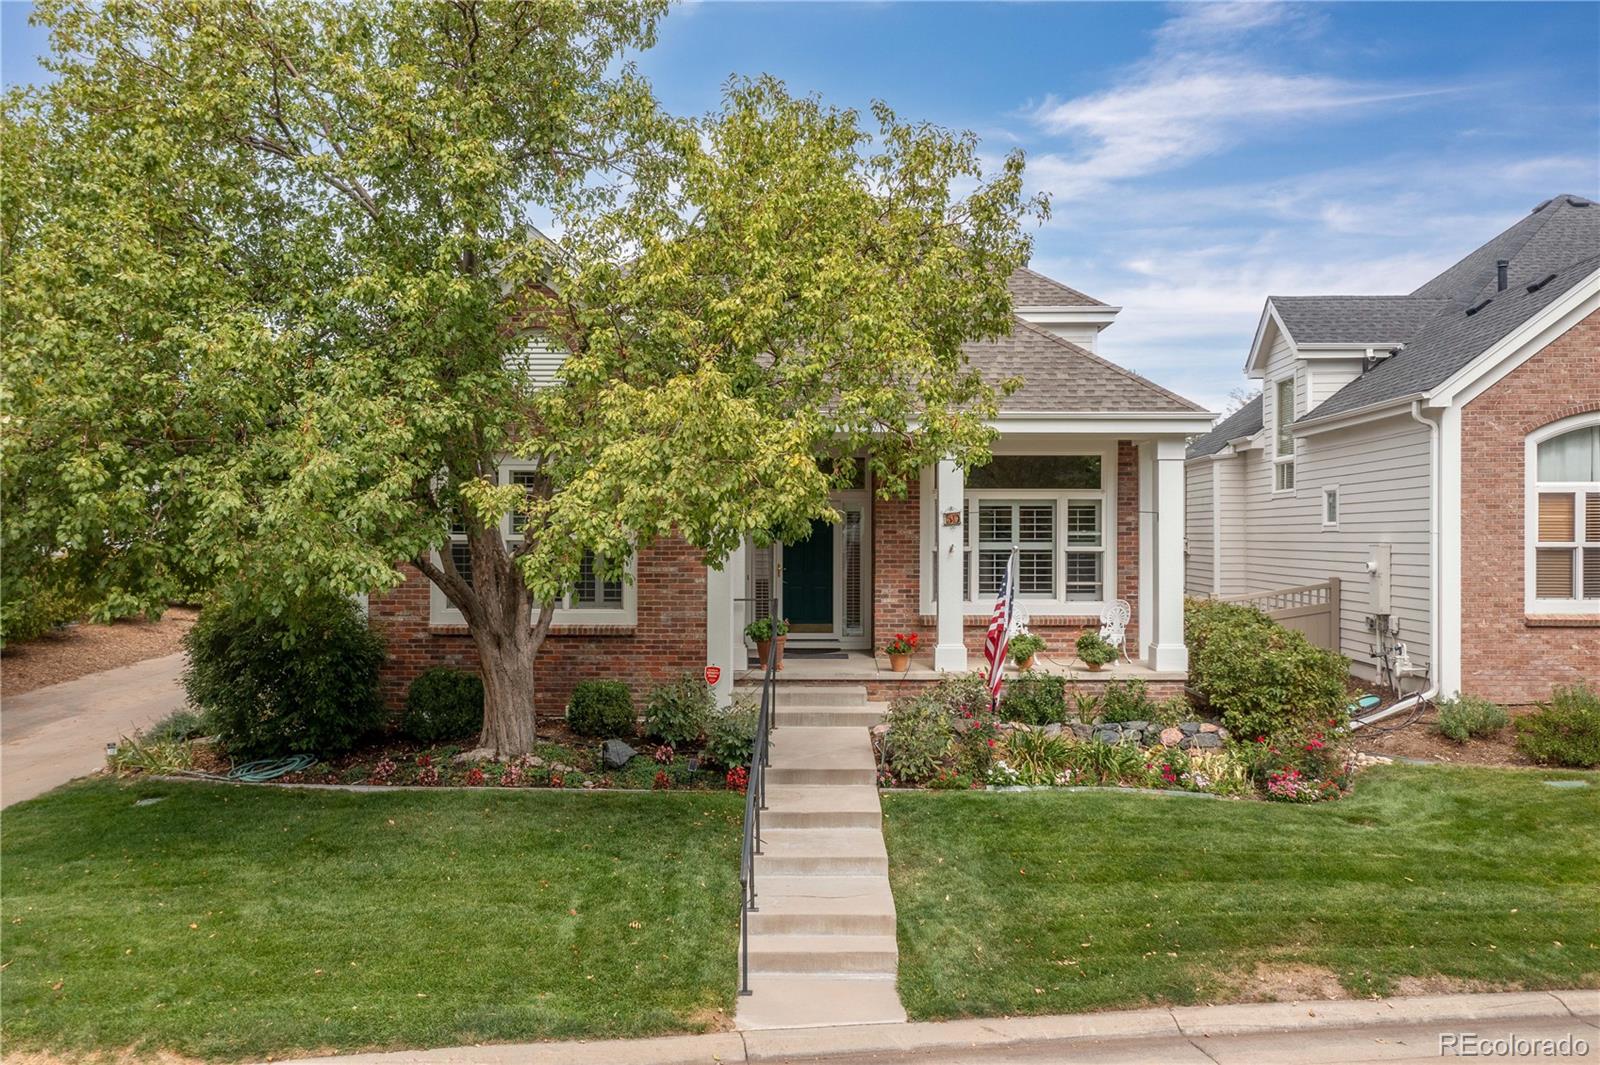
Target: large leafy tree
[(270, 266)]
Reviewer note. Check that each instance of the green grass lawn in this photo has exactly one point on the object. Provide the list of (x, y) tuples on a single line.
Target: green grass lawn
[(1054, 902), (228, 922)]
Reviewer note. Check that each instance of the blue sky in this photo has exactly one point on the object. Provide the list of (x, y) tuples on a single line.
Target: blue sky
[(1199, 156)]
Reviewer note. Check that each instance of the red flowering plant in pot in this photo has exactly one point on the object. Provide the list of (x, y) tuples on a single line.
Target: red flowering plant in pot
[(900, 649)]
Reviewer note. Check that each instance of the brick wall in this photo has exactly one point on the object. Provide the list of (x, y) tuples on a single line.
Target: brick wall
[(897, 554), (1506, 655), (669, 637)]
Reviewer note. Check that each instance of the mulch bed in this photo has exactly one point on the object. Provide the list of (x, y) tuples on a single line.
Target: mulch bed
[(77, 650), (1411, 734)]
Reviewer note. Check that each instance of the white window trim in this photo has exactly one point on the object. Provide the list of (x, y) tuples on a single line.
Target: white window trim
[(1277, 432), (1532, 486), (1056, 605), (443, 612), (1338, 505)]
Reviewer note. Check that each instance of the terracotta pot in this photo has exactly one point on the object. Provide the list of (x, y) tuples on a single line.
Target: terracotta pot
[(1027, 663), (1095, 667), (763, 647), (899, 663)]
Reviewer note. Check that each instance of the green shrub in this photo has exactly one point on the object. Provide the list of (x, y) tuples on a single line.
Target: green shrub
[(1086, 704), (1262, 677), (919, 738), (731, 732), (1125, 700), (301, 682), (1094, 649), (601, 708), (962, 692), (176, 727), (1034, 698), (1172, 711), (443, 704), (677, 712), (1036, 756), (1564, 731), (1467, 716)]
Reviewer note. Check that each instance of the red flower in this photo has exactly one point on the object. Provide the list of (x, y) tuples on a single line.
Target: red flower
[(662, 782)]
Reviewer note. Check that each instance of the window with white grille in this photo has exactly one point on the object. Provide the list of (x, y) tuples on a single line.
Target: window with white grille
[(1050, 510), (1565, 523), (1283, 438)]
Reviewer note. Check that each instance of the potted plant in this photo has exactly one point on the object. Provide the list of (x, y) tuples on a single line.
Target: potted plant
[(899, 651), (1095, 650), (1024, 645), (763, 631)]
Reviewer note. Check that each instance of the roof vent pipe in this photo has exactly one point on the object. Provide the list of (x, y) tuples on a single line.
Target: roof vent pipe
[(1500, 267)]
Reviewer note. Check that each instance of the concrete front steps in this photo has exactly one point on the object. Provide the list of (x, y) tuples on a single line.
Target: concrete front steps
[(822, 939)]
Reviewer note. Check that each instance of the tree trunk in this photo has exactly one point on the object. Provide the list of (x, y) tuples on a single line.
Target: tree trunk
[(507, 659)]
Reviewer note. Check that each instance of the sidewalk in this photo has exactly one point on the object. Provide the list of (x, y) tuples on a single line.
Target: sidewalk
[(1395, 1030), (51, 735)]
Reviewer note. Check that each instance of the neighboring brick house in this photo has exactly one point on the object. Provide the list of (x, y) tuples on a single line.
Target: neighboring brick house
[(1439, 452), (1079, 446)]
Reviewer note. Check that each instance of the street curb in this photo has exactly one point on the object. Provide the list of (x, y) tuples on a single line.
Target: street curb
[(1180, 1022)]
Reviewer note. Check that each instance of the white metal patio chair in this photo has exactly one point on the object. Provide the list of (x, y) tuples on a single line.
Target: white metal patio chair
[(1114, 618)]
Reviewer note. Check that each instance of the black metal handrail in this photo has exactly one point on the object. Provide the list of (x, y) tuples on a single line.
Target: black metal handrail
[(755, 801)]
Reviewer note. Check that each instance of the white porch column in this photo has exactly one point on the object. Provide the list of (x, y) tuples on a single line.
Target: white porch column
[(722, 629), (949, 651), (1167, 650), (1146, 511)]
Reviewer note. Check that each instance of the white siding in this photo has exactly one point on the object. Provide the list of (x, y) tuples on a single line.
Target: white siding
[(1199, 544), (539, 358), (1383, 471), (1330, 375), (1082, 335), (1232, 520)]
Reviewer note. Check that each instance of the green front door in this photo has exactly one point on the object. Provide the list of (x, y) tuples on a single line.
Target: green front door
[(808, 581)]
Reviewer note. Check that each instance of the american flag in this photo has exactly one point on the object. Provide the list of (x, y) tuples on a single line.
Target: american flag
[(999, 637)]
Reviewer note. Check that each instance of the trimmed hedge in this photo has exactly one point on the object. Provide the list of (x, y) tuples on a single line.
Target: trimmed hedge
[(679, 711), (443, 704), (1262, 677), (601, 708), (302, 682)]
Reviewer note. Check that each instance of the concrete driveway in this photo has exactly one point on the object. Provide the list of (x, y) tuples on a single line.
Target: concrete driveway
[(52, 735)]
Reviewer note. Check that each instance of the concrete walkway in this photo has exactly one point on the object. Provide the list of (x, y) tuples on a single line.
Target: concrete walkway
[(1397, 1031), (822, 944), (52, 735)]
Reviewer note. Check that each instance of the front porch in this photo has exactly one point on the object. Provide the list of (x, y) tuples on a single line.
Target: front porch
[(858, 667), (1092, 518)]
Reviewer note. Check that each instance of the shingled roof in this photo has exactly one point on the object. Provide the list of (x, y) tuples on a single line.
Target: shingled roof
[(1032, 289), (1246, 421), (1556, 247), (1313, 320), (1059, 377)]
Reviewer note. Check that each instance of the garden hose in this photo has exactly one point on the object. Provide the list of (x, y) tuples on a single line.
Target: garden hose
[(270, 768)]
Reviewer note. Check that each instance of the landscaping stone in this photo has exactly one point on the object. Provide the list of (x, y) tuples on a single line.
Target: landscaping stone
[(1082, 731), (1189, 727), (1107, 735), (1207, 726), (1170, 737), (1135, 726), (1052, 729), (1207, 740), (616, 754)]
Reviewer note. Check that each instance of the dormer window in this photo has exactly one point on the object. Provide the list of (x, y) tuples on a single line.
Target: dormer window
[(1283, 437)]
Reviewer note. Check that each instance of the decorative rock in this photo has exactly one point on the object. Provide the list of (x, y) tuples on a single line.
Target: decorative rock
[(1107, 735), (1082, 731), (615, 753), (1189, 727), (882, 727), (1170, 737), (1132, 737), (1207, 740), (1207, 726), (1052, 729), (1135, 726)]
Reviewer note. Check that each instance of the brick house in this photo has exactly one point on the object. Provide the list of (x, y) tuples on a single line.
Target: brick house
[(1086, 484), (1439, 452)]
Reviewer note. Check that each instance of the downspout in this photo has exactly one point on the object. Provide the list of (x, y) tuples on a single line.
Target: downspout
[(1436, 626)]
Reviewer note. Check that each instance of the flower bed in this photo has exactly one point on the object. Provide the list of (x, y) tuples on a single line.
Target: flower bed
[(947, 738)]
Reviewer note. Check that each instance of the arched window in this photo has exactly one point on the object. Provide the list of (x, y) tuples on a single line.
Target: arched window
[(1564, 526)]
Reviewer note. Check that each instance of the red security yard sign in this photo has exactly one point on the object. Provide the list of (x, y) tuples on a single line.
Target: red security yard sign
[(713, 674)]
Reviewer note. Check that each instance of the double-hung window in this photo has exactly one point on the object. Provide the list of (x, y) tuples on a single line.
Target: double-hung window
[(1283, 449), (1048, 509), (590, 591), (1566, 526)]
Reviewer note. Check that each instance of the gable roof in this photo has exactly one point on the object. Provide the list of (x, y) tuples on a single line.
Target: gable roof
[(1246, 421), (1029, 288), (1455, 317), (1059, 377), (1313, 320)]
